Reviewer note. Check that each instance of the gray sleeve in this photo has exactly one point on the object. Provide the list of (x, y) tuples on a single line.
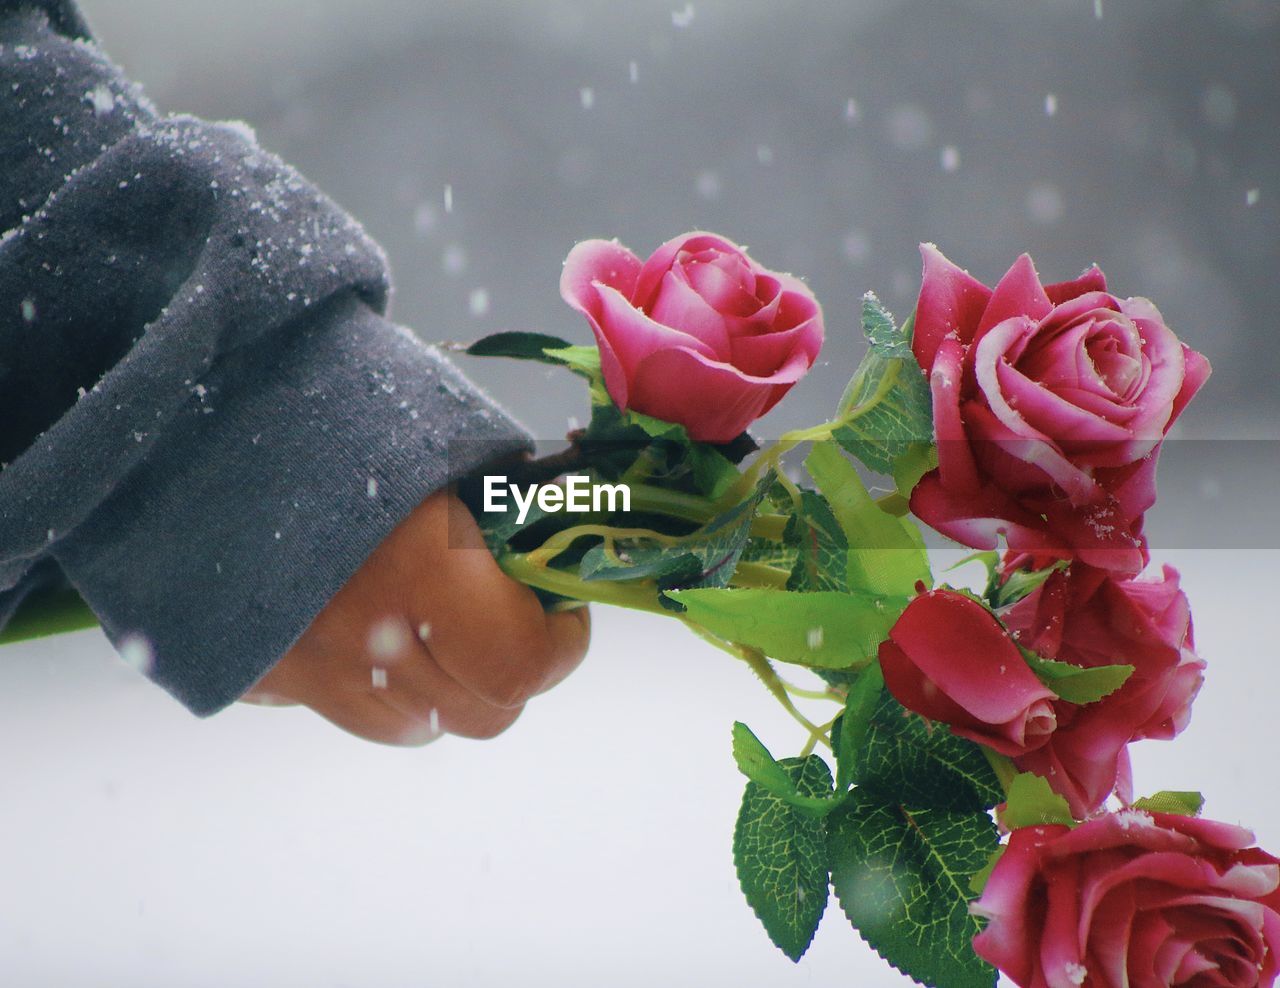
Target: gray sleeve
[(206, 423)]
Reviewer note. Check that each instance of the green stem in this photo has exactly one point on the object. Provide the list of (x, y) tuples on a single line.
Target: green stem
[(678, 504), (635, 594), (562, 540)]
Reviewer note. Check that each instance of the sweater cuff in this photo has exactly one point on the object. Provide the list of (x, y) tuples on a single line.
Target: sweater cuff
[(279, 477)]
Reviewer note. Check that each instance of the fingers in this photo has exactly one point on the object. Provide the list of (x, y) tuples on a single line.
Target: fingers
[(429, 636), (490, 633)]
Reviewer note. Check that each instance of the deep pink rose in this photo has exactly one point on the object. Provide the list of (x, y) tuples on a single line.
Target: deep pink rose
[(948, 659), (1133, 900), (1049, 405), (699, 334), (1087, 618)]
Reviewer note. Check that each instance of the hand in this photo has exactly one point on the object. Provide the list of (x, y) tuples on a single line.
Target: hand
[(428, 636)]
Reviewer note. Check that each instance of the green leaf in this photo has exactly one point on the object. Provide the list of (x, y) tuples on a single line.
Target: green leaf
[(713, 472), (820, 629), (902, 876), (48, 612), (886, 412), (768, 552), (881, 331), (1018, 584), (886, 553), (705, 558), (755, 762), (822, 551), (584, 360), (903, 757), (1032, 803), (781, 858), (849, 734), (978, 880), (521, 346), (1179, 802), (1077, 684)]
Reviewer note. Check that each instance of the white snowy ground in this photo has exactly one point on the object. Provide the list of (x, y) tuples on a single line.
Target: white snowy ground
[(588, 846)]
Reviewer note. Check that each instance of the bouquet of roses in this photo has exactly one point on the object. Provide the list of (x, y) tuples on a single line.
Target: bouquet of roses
[(967, 792), (1024, 421)]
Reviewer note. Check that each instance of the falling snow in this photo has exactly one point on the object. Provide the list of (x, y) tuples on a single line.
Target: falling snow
[(388, 639), (137, 653), (28, 310), (1050, 105), (587, 97), (683, 17), (478, 303), (950, 159)]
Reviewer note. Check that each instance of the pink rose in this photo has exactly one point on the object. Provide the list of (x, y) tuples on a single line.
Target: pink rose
[(1133, 900), (699, 334), (1087, 618), (1049, 405), (948, 659)]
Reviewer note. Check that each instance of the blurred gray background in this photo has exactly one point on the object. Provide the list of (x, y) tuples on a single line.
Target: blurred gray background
[(589, 845), (832, 137)]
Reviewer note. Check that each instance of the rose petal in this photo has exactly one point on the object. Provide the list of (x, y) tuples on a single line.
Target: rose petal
[(591, 261), (962, 650), (950, 301), (660, 261), (677, 305), (714, 401), (955, 459), (1091, 280), (726, 283), (763, 354), (1018, 293)]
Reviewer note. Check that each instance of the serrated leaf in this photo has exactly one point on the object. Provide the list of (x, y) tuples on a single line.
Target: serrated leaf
[(1179, 802), (820, 629), (705, 558), (769, 552), (903, 757), (886, 413), (881, 331), (849, 734), (520, 346), (902, 877), (1077, 684), (1032, 803), (822, 551), (781, 857), (886, 553)]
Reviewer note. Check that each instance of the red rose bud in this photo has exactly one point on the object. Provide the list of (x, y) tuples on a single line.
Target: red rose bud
[(1049, 406), (1084, 617), (1133, 900), (948, 659), (699, 334)]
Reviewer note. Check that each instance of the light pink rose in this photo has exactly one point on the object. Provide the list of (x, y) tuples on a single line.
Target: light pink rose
[(948, 659), (699, 334), (1087, 618), (1049, 406), (1133, 900)]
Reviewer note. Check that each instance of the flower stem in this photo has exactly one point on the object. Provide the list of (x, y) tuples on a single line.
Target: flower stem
[(639, 595)]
